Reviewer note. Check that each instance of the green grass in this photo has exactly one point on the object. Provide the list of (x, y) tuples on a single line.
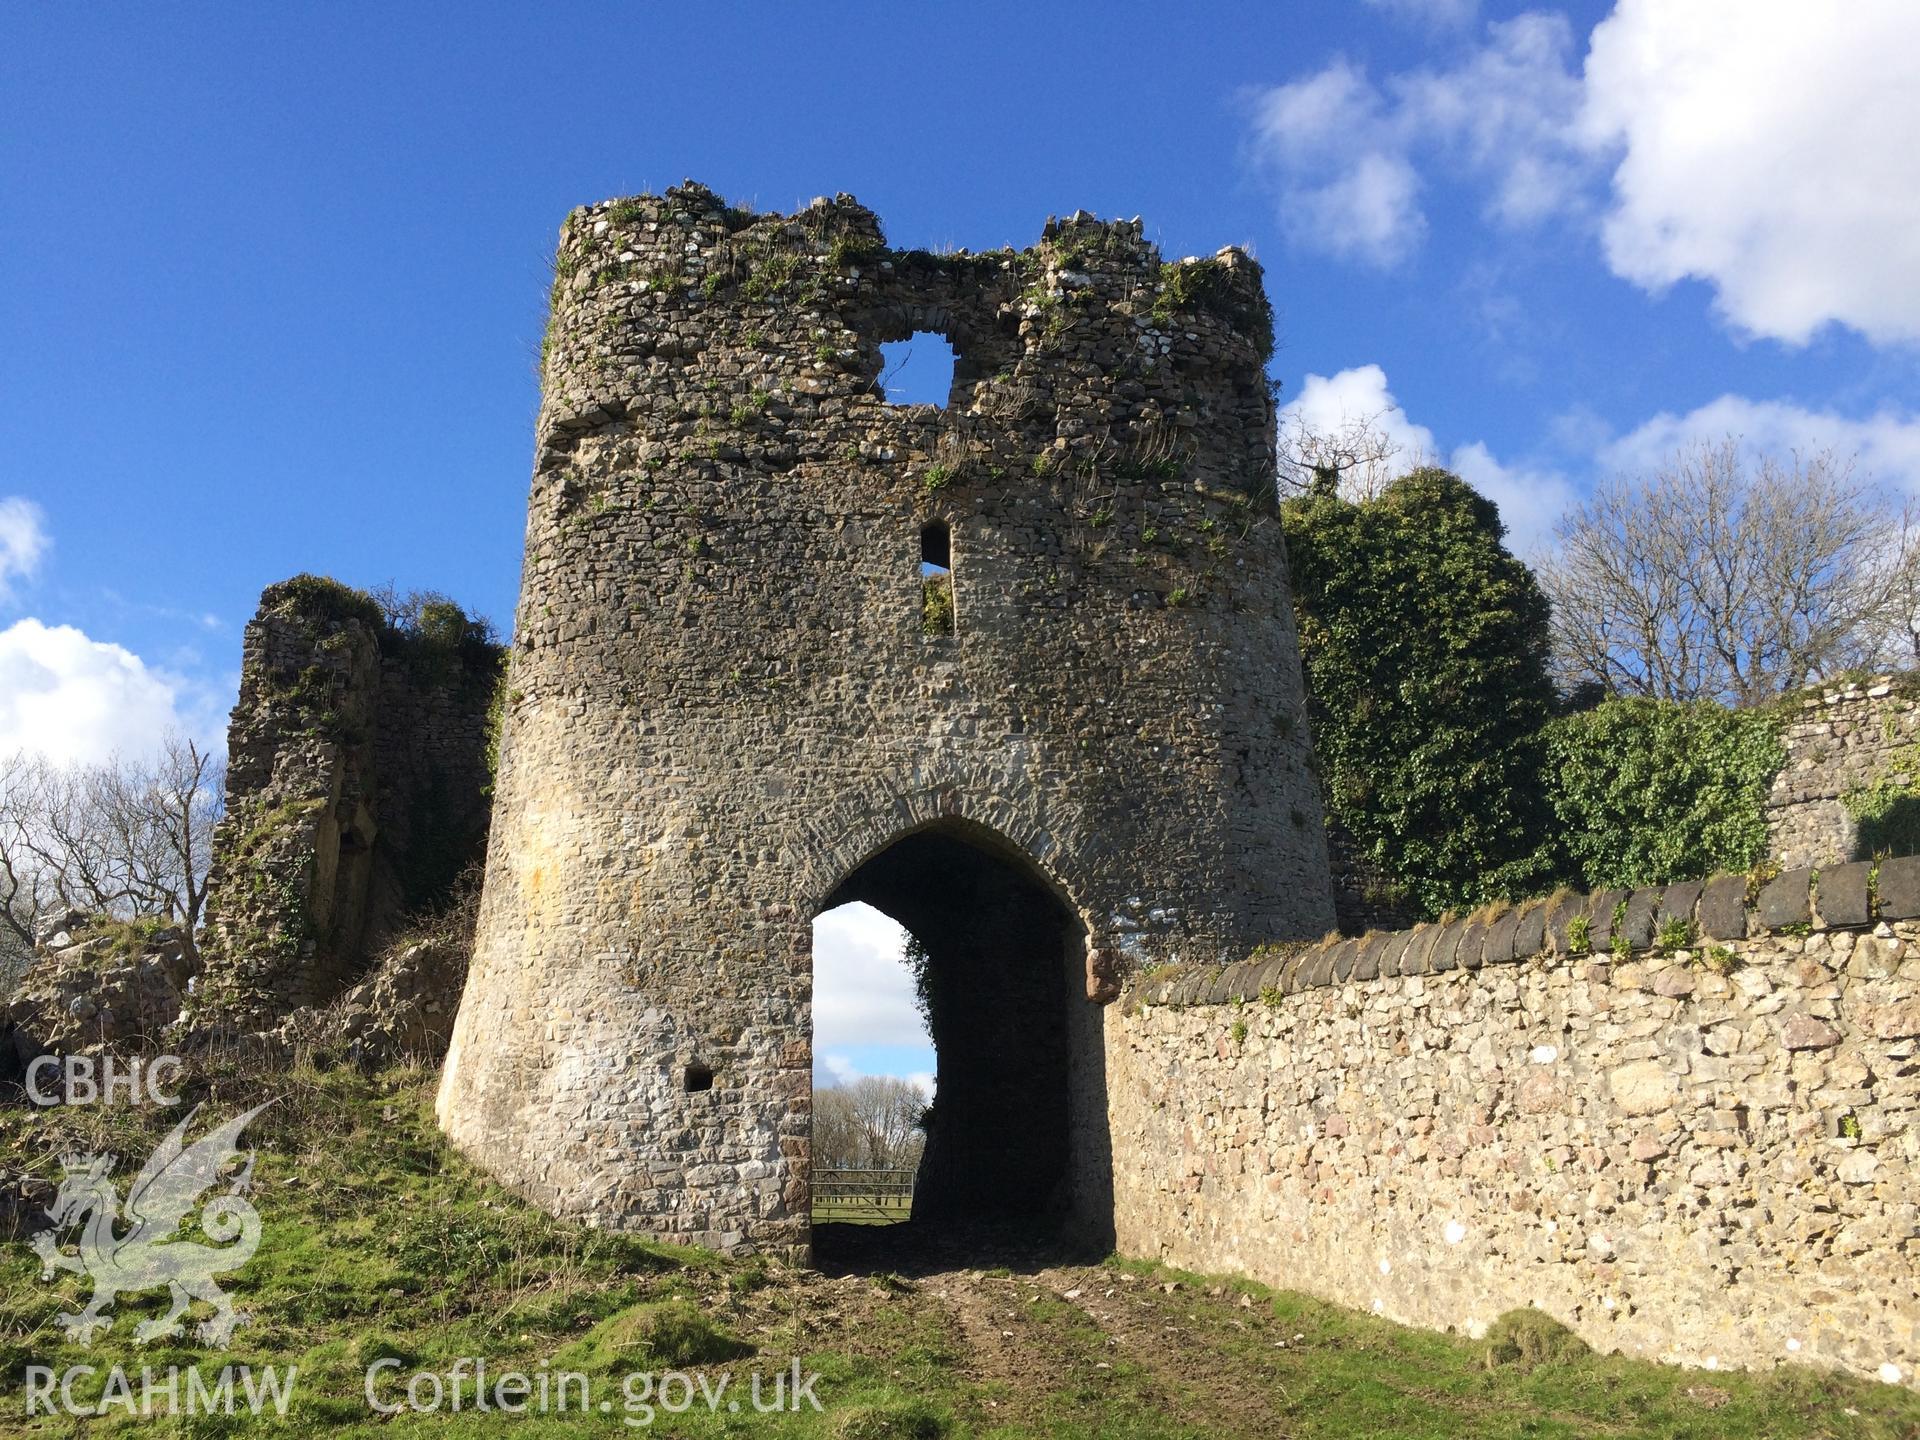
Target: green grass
[(1352, 1374), (381, 1244), (378, 1242), (861, 1212)]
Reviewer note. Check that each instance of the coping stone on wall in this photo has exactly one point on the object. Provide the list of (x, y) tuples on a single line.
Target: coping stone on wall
[(1897, 887), (1530, 931), (1679, 900), (1849, 897), (1600, 910), (1366, 964), (1393, 950), (1562, 910), (1842, 894), (1473, 944), (1500, 938), (1785, 900), (1723, 907), (1413, 961), (1295, 965), (1344, 955), (1642, 905), (1270, 975)]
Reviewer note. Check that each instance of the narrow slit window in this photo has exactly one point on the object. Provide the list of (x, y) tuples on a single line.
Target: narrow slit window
[(936, 578), (917, 370), (936, 548)]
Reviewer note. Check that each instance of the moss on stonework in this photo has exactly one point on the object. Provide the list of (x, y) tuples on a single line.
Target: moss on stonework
[(1887, 812), (1187, 286), (1086, 246), (311, 692), (503, 696), (321, 597), (275, 823)]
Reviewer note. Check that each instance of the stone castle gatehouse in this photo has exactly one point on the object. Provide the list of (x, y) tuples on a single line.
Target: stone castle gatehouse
[(1018, 670)]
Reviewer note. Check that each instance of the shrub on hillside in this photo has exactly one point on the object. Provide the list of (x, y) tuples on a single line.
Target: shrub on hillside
[(1530, 1337)]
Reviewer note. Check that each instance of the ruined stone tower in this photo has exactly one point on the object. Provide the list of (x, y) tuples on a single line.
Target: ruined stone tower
[(742, 692)]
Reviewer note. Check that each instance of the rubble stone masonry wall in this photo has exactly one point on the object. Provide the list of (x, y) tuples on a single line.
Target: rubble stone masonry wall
[(1705, 1154), (356, 794), (1850, 787)]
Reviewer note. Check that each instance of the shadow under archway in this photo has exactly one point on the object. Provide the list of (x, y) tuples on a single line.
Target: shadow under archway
[(1017, 1149)]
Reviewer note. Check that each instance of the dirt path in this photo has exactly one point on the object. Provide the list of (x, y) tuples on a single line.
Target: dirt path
[(1049, 1344)]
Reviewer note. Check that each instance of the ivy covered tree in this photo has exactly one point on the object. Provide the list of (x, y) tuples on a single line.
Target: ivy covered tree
[(1425, 644)]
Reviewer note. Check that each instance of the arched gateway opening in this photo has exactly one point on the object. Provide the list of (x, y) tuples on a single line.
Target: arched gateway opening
[(1016, 1139)]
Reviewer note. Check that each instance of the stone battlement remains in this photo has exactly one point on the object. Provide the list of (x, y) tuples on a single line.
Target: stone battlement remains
[(356, 795)]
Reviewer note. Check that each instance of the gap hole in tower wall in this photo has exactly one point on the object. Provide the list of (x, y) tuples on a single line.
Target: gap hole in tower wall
[(918, 370), (699, 1077)]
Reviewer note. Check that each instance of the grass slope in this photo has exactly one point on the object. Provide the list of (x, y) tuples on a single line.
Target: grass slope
[(379, 1242)]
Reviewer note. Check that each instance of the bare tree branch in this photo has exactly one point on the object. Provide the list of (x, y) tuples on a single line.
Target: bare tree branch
[(118, 838), (1356, 461), (1721, 577)]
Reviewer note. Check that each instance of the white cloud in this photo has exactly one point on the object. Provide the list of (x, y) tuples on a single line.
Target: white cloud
[(1342, 148), (1766, 147), (862, 992), (1508, 114), (1886, 445), (1372, 210), (1761, 146), (73, 698), (1345, 185), (23, 541), (1530, 499), (1330, 404), (840, 1070)]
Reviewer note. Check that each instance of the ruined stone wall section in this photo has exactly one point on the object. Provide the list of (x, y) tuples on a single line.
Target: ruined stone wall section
[(725, 696), (1364, 894), (432, 780), (356, 790), (1704, 1154), (1843, 740)]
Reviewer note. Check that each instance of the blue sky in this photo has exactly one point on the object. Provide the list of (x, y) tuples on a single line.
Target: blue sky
[(272, 277)]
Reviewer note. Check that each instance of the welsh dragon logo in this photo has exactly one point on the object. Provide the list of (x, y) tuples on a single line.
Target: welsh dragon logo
[(152, 1254)]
